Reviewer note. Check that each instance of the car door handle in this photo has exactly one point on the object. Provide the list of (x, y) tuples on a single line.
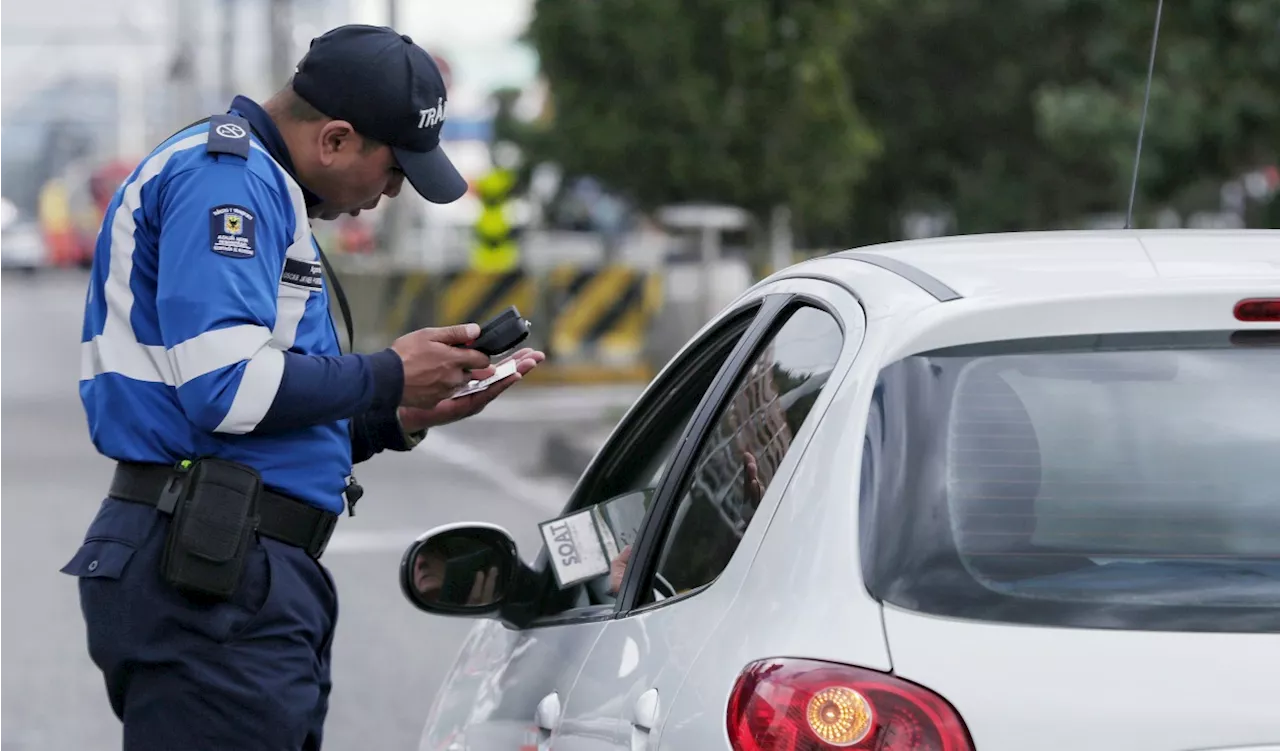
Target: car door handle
[(548, 714), (645, 717)]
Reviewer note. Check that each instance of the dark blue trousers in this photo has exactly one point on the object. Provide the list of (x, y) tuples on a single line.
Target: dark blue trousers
[(248, 673)]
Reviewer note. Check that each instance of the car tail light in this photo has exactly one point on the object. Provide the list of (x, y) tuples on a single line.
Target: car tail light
[(1259, 310), (804, 705)]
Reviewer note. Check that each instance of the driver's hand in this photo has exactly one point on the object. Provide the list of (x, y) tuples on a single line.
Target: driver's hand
[(618, 567), (483, 590), (751, 478)]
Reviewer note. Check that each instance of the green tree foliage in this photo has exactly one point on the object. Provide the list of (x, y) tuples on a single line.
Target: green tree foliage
[(1011, 114), (747, 102), (1024, 114)]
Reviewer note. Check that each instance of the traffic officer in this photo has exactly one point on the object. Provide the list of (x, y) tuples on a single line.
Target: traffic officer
[(212, 374)]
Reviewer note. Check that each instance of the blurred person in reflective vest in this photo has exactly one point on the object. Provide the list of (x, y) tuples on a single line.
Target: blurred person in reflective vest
[(53, 210), (212, 374)]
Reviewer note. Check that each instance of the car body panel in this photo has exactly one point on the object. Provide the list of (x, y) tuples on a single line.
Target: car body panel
[(803, 596), (1020, 687), (881, 292), (967, 322), (1031, 264), (651, 649), (490, 697)]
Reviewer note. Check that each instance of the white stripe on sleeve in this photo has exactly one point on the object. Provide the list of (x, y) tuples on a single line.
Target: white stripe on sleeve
[(216, 349), (291, 302), (258, 387), (116, 349)]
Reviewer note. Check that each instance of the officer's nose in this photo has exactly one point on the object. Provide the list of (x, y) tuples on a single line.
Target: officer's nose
[(394, 185)]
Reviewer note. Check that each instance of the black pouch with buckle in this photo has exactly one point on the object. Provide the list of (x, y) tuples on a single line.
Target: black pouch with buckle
[(214, 507)]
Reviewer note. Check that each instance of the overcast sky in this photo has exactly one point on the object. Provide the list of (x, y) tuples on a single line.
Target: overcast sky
[(49, 39)]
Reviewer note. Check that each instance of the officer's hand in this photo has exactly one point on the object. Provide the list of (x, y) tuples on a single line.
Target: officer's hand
[(434, 368), (452, 410)]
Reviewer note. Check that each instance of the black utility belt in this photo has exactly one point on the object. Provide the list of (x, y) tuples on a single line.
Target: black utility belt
[(217, 506)]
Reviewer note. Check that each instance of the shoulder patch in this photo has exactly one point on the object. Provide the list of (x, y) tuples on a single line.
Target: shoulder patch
[(229, 134), (231, 231)]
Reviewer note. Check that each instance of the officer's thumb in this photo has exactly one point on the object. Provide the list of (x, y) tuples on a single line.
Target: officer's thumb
[(461, 333)]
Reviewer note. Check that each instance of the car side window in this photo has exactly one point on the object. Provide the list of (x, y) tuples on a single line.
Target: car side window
[(622, 484), (743, 450)]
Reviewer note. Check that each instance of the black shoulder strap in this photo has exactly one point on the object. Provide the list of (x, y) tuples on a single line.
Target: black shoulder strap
[(342, 299), (191, 125)]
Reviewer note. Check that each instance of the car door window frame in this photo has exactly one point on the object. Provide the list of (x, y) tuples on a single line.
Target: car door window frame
[(773, 315), (642, 422), (744, 323)]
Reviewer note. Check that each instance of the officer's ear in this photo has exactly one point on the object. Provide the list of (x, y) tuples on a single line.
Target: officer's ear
[(338, 141)]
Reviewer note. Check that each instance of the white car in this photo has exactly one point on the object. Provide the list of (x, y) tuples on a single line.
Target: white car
[(1007, 493), (22, 247)]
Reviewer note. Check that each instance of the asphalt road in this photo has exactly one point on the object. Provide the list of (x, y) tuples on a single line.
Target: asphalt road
[(389, 658)]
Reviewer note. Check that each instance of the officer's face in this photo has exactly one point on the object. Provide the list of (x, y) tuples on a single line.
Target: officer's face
[(352, 176)]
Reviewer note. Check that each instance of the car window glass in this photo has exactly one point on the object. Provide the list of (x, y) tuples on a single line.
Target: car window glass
[(623, 490), (1100, 481), (739, 458)]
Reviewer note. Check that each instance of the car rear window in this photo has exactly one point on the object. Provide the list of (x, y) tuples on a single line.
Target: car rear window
[(1126, 482)]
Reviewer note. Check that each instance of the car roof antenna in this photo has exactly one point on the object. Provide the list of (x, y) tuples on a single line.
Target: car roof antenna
[(1137, 157)]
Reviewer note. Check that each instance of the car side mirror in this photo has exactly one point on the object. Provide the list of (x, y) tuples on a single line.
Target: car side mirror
[(460, 569)]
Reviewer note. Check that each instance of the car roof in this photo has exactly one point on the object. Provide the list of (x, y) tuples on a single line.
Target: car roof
[(1036, 265)]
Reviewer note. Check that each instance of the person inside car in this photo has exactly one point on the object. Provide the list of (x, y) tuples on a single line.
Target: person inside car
[(429, 575), (754, 489)]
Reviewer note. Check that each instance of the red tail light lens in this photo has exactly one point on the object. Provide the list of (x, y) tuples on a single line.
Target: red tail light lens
[(1258, 310), (804, 705)]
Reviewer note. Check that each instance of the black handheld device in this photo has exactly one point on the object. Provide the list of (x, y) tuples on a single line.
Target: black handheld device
[(503, 333)]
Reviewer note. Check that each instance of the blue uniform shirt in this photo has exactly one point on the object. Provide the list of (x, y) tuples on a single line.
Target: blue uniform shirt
[(207, 329)]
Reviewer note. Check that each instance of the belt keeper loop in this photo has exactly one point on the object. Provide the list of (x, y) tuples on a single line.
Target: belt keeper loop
[(321, 534), (173, 490)]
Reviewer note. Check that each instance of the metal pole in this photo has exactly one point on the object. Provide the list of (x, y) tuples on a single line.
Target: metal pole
[(226, 52), (131, 96), (780, 238), (183, 70), (396, 219), (282, 57), (710, 254)]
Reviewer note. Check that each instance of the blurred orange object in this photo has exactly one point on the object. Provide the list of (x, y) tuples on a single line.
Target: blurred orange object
[(354, 235), (104, 181), (87, 204)]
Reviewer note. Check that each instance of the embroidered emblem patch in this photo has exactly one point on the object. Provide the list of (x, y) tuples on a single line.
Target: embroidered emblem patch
[(231, 231)]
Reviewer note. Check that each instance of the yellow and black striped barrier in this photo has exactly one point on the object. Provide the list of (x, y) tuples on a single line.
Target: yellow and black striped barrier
[(407, 303), (477, 296), (598, 320), (593, 322)]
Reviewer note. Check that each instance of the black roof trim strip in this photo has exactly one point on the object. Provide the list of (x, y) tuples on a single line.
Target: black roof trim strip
[(940, 291)]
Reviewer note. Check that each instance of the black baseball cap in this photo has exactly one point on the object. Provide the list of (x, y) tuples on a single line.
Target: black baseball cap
[(390, 90)]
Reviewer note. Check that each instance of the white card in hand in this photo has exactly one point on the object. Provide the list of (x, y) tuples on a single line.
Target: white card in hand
[(505, 370)]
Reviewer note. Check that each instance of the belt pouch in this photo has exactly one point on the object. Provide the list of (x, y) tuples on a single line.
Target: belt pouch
[(214, 521)]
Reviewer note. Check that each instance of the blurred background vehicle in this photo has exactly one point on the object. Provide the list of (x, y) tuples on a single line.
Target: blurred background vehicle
[(22, 246)]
